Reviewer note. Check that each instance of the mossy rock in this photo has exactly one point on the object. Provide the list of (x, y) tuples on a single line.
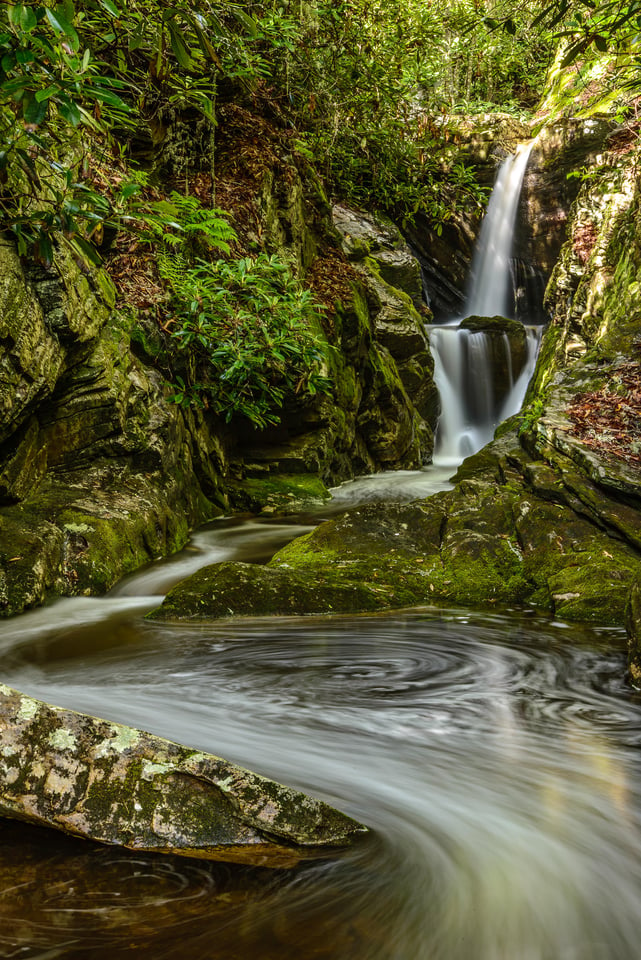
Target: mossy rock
[(494, 326), (592, 588), (484, 542), (82, 535), (122, 786), (243, 589), (633, 626), (278, 493)]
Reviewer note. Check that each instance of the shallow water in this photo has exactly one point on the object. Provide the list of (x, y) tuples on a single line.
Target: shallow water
[(495, 757)]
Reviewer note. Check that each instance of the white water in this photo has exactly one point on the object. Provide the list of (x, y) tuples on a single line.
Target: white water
[(490, 275), (471, 409), (471, 405)]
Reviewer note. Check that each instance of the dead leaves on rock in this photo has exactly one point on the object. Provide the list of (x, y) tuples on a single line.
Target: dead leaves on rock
[(609, 420)]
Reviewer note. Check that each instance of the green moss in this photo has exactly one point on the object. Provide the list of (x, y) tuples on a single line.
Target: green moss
[(278, 493), (100, 550), (592, 588), (106, 287), (633, 627), (354, 321), (482, 569), (239, 589), (480, 543)]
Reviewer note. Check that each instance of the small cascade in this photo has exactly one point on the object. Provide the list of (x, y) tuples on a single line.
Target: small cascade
[(482, 374), (472, 402)]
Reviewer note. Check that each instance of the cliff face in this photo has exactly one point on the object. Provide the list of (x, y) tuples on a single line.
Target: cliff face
[(100, 474), (585, 400), (97, 471)]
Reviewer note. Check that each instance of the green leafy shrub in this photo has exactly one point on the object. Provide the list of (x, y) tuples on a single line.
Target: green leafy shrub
[(246, 328)]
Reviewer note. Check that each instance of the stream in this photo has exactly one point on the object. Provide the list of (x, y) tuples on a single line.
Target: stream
[(495, 756)]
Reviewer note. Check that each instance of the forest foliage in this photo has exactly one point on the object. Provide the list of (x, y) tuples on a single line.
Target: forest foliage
[(368, 86)]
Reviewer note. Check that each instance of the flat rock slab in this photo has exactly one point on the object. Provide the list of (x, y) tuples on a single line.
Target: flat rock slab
[(118, 785)]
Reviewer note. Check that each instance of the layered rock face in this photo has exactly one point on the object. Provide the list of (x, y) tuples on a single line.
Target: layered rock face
[(97, 471), (552, 181)]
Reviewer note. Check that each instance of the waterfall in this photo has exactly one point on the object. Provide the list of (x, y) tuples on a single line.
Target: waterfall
[(491, 277), (471, 405), (473, 401)]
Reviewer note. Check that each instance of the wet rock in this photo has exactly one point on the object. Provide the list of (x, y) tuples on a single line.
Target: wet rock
[(505, 344), (495, 326), (281, 493), (364, 235), (491, 539), (118, 785), (551, 186), (444, 251), (633, 625), (80, 534)]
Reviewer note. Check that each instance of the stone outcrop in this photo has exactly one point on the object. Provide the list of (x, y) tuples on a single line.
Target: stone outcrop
[(366, 236), (392, 280), (514, 530), (561, 153), (97, 471), (118, 785)]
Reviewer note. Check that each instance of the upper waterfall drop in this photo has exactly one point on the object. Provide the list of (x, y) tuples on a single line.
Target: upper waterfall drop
[(489, 294)]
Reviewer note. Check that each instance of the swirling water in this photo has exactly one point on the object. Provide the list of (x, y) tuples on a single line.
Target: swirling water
[(495, 756)]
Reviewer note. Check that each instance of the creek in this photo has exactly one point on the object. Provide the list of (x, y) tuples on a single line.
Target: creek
[(494, 755)]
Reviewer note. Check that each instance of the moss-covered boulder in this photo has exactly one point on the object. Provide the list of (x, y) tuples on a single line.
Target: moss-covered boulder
[(81, 535), (98, 473), (494, 326), (364, 235), (278, 493), (498, 537), (118, 785)]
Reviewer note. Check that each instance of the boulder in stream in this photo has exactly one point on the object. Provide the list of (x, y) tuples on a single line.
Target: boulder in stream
[(506, 347), (513, 530), (118, 785)]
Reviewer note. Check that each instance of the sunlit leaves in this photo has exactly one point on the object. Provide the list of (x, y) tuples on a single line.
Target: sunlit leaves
[(597, 39)]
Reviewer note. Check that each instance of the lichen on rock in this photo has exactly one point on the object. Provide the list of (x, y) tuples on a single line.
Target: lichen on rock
[(118, 785)]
